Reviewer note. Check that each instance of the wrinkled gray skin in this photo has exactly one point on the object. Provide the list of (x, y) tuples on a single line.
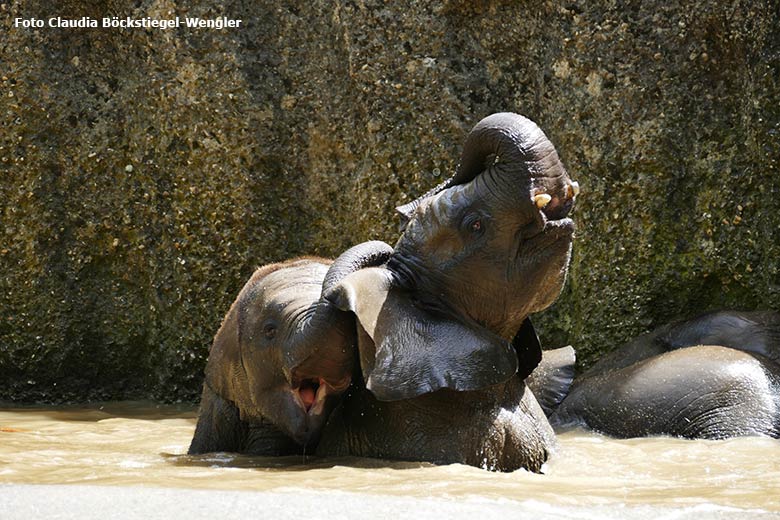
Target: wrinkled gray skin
[(551, 381), (443, 336), (277, 365), (713, 377)]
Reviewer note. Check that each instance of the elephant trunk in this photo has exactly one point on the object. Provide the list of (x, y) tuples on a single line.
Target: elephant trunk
[(513, 145), (502, 139), (325, 348), (367, 254)]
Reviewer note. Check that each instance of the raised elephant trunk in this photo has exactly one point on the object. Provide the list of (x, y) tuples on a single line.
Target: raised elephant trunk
[(367, 254), (511, 145), (504, 138)]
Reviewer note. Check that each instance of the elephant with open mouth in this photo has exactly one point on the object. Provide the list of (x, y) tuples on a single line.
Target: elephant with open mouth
[(443, 335), (279, 362)]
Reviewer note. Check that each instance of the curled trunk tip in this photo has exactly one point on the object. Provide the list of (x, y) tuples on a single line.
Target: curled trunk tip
[(504, 137)]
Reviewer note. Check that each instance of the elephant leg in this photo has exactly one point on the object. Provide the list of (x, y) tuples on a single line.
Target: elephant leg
[(267, 440), (219, 426)]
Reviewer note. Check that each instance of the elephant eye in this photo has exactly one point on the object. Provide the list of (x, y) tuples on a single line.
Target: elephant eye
[(269, 330), (473, 224)]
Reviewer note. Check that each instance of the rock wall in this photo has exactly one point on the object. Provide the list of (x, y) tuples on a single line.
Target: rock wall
[(144, 173)]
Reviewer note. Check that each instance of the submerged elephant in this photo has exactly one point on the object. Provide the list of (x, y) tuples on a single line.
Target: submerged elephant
[(443, 333), (278, 363), (714, 376)]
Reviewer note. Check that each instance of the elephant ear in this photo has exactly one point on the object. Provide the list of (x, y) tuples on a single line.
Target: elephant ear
[(552, 379), (407, 350), (406, 211), (528, 348), (224, 370)]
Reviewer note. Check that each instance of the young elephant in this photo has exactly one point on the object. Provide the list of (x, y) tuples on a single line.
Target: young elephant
[(279, 361), (715, 376), (443, 335)]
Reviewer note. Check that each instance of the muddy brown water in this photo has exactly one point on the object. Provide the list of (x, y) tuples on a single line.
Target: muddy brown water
[(129, 460)]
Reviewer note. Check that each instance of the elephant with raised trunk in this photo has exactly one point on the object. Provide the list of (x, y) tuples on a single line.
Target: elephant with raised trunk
[(443, 333), (279, 361)]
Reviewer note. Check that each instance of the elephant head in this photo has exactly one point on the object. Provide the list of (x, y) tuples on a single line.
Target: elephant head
[(282, 354), (478, 254)]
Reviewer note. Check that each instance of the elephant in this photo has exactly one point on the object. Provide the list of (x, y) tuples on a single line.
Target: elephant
[(443, 335), (278, 363), (714, 376)]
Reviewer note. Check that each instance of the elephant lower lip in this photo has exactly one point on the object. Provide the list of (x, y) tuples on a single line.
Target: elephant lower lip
[(554, 231), (563, 227)]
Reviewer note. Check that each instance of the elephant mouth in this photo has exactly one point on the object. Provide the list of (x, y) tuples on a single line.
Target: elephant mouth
[(556, 202), (307, 392), (554, 207), (553, 232), (311, 393)]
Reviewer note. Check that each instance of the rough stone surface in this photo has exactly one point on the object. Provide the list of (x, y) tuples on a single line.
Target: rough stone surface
[(144, 173)]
